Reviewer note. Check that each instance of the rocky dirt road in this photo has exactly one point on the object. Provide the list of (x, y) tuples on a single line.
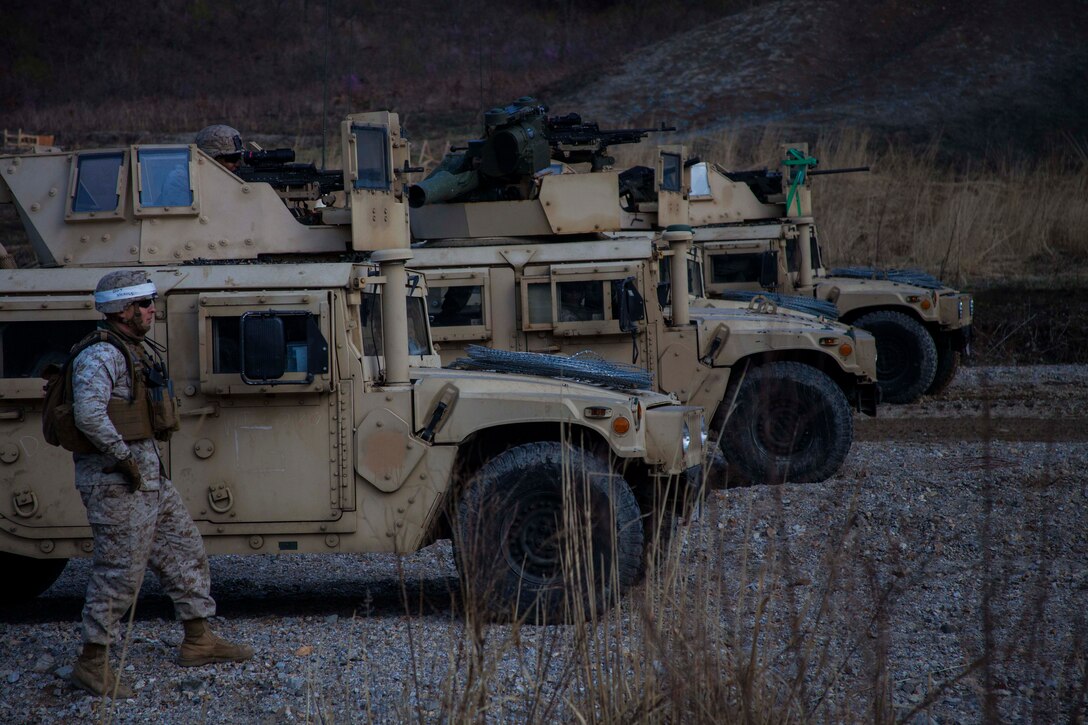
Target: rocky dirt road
[(941, 577)]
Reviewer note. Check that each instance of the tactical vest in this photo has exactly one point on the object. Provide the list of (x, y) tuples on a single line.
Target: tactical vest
[(151, 412)]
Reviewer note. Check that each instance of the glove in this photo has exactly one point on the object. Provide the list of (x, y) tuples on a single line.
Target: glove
[(128, 468)]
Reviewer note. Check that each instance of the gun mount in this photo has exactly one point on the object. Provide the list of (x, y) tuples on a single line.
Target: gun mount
[(519, 166), (293, 182), (519, 142)]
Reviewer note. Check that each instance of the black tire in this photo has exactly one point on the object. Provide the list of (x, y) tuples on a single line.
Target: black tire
[(790, 422), (26, 577), (906, 356), (517, 535), (948, 364)]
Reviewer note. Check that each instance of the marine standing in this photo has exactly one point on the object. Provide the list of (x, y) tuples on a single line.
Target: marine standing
[(122, 403)]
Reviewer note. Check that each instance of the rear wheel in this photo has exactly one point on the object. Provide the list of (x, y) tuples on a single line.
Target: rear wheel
[(26, 577), (548, 533), (948, 364), (791, 422), (906, 356)]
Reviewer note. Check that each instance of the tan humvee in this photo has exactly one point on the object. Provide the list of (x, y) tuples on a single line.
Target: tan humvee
[(777, 384), (756, 233), (304, 428), (522, 255)]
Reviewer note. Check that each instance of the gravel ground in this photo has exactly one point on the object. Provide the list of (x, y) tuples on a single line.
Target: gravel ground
[(873, 595)]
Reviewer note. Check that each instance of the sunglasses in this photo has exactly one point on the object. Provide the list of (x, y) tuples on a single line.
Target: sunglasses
[(144, 304)]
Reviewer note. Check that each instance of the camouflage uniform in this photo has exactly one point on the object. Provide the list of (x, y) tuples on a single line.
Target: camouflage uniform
[(132, 530)]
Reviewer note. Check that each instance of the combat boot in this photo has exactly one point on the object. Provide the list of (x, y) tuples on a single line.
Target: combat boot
[(92, 673), (201, 647)]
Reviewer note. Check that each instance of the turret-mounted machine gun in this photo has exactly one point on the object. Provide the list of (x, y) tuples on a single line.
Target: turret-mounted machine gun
[(300, 185), (520, 141), (518, 165)]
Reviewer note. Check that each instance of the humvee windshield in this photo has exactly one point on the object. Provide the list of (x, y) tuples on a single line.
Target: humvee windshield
[(418, 340)]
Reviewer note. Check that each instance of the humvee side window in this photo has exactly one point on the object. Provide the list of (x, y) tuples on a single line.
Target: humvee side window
[(725, 268), (418, 342), (97, 184), (27, 347), (670, 172), (540, 303), (455, 306), (577, 299), (580, 301), (371, 149), (305, 348), (164, 177)]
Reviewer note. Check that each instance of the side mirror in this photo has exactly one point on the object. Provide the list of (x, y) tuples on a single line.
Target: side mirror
[(263, 348), (632, 306), (768, 270), (267, 354), (664, 291)]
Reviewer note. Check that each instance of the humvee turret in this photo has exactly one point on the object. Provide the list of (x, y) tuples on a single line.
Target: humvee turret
[(522, 260), (757, 234), (314, 414)]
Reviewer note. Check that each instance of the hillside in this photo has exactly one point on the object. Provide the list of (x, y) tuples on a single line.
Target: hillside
[(1003, 74), (998, 74)]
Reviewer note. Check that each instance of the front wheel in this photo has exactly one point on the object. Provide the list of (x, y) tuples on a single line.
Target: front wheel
[(26, 577), (547, 533), (906, 356), (790, 422)]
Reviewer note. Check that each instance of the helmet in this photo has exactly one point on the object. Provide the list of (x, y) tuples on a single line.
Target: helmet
[(117, 290), (219, 140)]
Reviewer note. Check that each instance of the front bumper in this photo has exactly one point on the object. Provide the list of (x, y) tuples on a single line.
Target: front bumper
[(667, 429)]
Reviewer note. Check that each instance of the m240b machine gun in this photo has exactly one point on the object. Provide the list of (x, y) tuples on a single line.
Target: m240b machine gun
[(294, 181), (519, 141)]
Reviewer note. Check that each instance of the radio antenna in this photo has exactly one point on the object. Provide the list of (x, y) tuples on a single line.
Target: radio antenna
[(325, 89)]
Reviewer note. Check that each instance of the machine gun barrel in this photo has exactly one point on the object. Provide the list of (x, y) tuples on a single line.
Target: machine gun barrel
[(571, 131), (850, 170)]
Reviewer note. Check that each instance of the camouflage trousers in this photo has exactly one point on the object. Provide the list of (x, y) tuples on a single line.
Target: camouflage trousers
[(134, 531)]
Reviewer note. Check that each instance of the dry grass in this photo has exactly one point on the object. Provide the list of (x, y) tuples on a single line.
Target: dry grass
[(996, 217)]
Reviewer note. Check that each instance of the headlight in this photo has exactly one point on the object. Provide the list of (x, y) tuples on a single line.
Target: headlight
[(971, 306), (685, 437), (959, 309)]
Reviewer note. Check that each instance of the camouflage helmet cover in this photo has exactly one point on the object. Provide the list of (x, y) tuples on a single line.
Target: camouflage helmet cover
[(219, 140), (117, 290)]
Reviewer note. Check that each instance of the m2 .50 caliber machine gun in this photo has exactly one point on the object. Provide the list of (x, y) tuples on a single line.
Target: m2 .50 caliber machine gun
[(519, 141)]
